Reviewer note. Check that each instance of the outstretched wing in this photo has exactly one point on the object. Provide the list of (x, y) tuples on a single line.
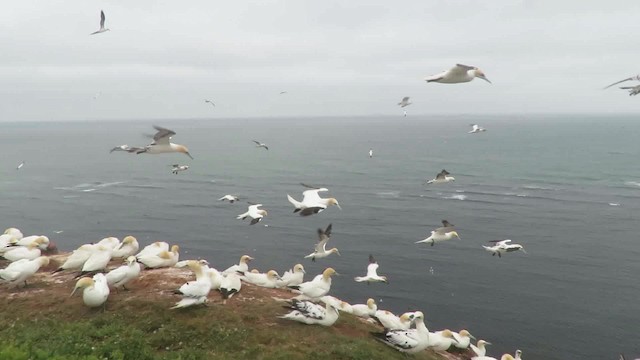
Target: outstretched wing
[(162, 136), (636, 77), (102, 19)]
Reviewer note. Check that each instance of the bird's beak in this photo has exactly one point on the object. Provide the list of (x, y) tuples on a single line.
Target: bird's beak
[(73, 292), (487, 343), (485, 79), (471, 336), (189, 155), (336, 273), (338, 205), (523, 251), (338, 252), (304, 272)]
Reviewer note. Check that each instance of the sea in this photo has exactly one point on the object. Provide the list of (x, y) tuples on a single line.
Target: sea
[(566, 187)]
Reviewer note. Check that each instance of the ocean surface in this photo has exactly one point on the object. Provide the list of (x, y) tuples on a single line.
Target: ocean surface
[(566, 187)]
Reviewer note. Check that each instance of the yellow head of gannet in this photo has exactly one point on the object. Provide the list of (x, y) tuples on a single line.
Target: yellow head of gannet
[(255, 271), (129, 239), (328, 273), (480, 74), (466, 333), (454, 233), (182, 149), (507, 357), (333, 201), (83, 283), (407, 317), (273, 275), (299, 268), (334, 251), (130, 260), (43, 260), (41, 240), (371, 303), (175, 249), (245, 259), (448, 334), (418, 315)]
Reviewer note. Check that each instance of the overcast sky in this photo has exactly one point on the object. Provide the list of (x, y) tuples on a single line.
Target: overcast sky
[(161, 59)]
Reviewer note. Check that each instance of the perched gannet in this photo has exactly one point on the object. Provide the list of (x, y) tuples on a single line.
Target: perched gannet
[(195, 289), (444, 233), (190, 301), (404, 102), (19, 271), (260, 145), (162, 259), (476, 129), (518, 355), (365, 311), (22, 252), (253, 212), (176, 168), (389, 321), (441, 340), (502, 247), (463, 339), (317, 287), (311, 202), (153, 249), (77, 258), (99, 259), (339, 304), (129, 246), (109, 242), (242, 266), (480, 349), (293, 276), (310, 313), (95, 291), (161, 144), (102, 28), (6, 242), (410, 341), (231, 198), (372, 273), (457, 74), (38, 240), (230, 285), (269, 279), (635, 77), (442, 177), (210, 102), (15, 233), (20, 166), (320, 250), (200, 268), (122, 275), (633, 90)]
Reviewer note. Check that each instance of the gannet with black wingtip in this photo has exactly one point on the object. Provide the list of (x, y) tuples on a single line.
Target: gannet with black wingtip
[(311, 202), (38, 240), (22, 252), (269, 279), (633, 90), (129, 246), (109, 242), (480, 349), (121, 276), (198, 288), (14, 233), (339, 304), (310, 313), (230, 285), (389, 321), (77, 258), (102, 28), (365, 310), (463, 339), (444, 233), (176, 168), (293, 276), (98, 261), (404, 102), (372, 273), (631, 78), (442, 177), (19, 271), (161, 144), (318, 287), (260, 145), (254, 213), (441, 340), (457, 74), (410, 341), (320, 250), (242, 266), (230, 198), (476, 129), (127, 148), (95, 291), (502, 247), (153, 249), (190, 301)]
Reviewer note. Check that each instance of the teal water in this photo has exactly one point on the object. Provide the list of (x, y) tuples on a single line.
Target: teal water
[(545, 182)]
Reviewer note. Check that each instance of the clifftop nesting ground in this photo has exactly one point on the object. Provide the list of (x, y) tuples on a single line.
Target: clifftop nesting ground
[(42, 322)]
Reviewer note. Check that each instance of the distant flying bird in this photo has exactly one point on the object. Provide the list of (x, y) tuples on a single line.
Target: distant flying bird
[(231, 198), (253, 212), (442, 177), (446, 232), (370, 153), (503, 246), (405, 113), (633, 90), (404, 102), (20, 166), (260, 145), (458, 74), (282, 92), (177, 168), (160, 144), (102, 28), (320, 251), (95, 97), (476, 129), (372, 273), (635, 77), (210, 102)]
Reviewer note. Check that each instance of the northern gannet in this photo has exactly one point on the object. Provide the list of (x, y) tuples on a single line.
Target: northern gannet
[(122, 275), (95, 291), (176, 168), (260, 145), (230, 285), (444, 233), (22, 252), (230, 198), (19, 271), (404, 102), (318, 287), (253, 212), (269, 279), (242, 266), (162, 259), (293, 276), (102, 28), (442, 177), (365, 310), (372, 273), (410, 341), (633, 90), (476, 129), (480, 349), (463, 339), (457, 74), (129, 246), (441, 340), (307, 312), (320, 250), (153, 249), (161, 144), (311, 202), (502, 247), (635, 77), (77, 258), (99, 259), (389, 321)]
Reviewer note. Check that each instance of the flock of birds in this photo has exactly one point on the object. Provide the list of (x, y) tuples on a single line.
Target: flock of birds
[(406, 332)]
